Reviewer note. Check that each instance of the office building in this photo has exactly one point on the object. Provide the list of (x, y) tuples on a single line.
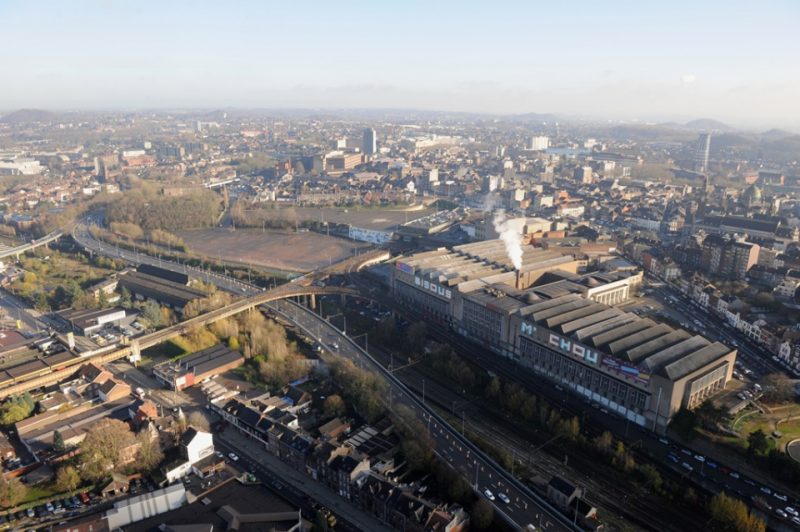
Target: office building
[(702, 152), (370, 146)]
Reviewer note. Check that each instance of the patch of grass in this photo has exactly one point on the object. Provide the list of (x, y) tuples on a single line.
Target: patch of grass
[(36, 493), (164, 350), (770, 422)]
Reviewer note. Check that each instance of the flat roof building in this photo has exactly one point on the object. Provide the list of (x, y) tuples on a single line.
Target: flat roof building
[(198, 366)]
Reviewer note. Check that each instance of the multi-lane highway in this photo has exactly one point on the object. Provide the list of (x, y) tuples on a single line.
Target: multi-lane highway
[(524, 506)]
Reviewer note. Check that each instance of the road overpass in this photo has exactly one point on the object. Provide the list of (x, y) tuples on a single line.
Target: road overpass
[(30, 246), (137, 345)]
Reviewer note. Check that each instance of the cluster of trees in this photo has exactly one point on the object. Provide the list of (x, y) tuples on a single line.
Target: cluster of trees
[(108, 449), (728, 513), (134, 233), (757, 443), (709, 416), (165, 238), (153, 314), (513, 398), (253, 215), (446, 361), (410, 342), (264, 343), (129, 230), (777, 388), (256, 163), (12, 491), (362, 389), (68, 278), (417, 449), (206, 304), (7, 230), (150, 211), (334, 406), (16, 408)]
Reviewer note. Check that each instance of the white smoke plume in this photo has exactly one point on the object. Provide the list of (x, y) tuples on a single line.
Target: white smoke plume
[(510, 237)]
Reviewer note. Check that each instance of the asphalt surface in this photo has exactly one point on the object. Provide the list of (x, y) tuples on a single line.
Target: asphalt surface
[(17, 310), (524, 506)]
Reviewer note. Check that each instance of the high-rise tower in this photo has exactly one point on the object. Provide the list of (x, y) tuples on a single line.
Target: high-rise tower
[(701, 153)]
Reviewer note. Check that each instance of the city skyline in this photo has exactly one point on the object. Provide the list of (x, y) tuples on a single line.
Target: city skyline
[(618, 61)]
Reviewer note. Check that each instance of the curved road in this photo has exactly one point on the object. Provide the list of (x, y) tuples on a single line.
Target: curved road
[(525, 507)]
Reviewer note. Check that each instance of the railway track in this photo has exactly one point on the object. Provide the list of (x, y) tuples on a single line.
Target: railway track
[(504, 434)]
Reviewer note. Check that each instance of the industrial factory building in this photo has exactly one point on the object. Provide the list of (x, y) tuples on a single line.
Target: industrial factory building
[(560, 324)]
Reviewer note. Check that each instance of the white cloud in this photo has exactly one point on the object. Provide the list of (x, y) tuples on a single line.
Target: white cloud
[(688, 79)]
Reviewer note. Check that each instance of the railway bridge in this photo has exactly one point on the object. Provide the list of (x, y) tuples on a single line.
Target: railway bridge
[(47, 375)]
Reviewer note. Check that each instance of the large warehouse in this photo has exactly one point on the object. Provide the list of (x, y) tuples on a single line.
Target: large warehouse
[(556, 323)]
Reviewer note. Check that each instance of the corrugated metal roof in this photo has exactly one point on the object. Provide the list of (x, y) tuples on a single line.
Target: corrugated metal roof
[(667, 356), (656, 344), (638, 338), (620, 332), (586, 310), (560, 309), (686, 365), (603, 315), (548, 304), (603, 326)]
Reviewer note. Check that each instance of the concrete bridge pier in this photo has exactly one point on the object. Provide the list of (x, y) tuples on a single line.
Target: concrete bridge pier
[(136, 351)]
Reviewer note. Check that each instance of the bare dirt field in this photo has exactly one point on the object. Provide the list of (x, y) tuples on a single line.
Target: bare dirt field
[(271, 249)]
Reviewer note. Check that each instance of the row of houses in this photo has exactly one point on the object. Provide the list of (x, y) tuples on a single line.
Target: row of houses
[(782, 343), (359, 466)]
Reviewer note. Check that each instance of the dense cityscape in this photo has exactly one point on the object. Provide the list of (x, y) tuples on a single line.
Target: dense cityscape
[(308, 315)]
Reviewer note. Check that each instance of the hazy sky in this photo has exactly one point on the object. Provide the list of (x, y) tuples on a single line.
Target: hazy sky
[(734, 61)]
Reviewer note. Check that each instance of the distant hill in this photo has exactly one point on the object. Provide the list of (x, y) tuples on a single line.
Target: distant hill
[(707, 124), (24, 116), (776, 134), (536, 117)]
